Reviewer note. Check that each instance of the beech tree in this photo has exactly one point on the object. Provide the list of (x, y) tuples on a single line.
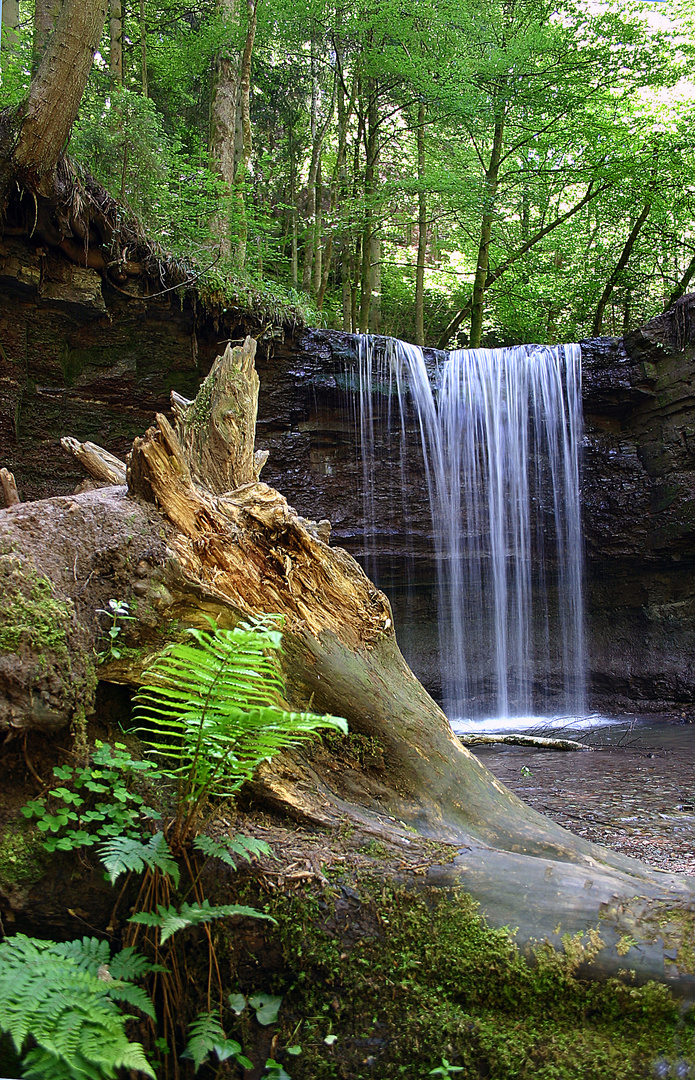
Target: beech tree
[(33, 137)]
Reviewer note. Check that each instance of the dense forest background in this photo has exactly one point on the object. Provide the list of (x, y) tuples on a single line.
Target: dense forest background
[(452, 173)]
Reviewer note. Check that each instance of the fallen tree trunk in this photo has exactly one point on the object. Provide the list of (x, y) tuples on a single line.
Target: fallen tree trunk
[(178, 550), (538, 741)]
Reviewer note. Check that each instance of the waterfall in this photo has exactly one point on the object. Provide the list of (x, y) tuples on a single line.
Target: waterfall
[(499, 431)]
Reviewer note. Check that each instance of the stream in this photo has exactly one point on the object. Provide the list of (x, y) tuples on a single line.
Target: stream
[(635, 792)]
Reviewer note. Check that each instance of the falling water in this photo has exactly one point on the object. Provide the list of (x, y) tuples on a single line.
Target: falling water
[(499, 432)]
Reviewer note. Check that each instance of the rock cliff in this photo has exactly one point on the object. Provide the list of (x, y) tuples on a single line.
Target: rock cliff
[(81, 358)]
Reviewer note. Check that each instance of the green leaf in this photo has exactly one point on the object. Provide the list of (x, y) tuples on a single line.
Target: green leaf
[(275, 1071), (237, 1002), (267, 1007)]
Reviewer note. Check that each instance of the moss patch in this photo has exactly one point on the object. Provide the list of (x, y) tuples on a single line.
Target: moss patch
[(404, 979), (30, 616), (22, 859)]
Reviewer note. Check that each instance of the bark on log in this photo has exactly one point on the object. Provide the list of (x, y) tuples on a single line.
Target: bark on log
[(538, 741), (99, 463), (186, 551)]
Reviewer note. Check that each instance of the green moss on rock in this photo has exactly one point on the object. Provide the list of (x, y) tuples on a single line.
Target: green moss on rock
[(403, 978), (22, 859), (30, 615)]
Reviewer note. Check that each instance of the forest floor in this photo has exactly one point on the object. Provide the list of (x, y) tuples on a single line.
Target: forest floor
[(635, 794)]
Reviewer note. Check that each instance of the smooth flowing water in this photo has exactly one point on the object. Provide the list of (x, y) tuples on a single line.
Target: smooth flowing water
[(500, 433)]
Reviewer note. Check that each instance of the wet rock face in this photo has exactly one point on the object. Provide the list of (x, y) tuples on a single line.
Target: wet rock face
[(639, 512), (638, 495), (80, 360)]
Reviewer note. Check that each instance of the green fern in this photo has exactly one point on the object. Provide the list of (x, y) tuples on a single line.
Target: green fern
[(171, 919), (123, 854), (244, 846), (207, 1036), (61, 1016), (215, 708)]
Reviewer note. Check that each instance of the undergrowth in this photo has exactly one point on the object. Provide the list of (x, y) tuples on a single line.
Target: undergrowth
[(405, 979)]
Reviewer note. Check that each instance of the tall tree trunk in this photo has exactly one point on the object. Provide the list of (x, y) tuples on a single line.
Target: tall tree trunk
[(346, 264), (327, 258), (224, 114), (318, 230), (294, 259), (370, 174), (619, 267), (342, 191), (247, 144), (319, 127), (42, 125), (682, 285), (116, 42), (422, 230), (356, 261), (46, 14), (9, 24), (490, 196), (375, 282), (309, 243), (143, 48)]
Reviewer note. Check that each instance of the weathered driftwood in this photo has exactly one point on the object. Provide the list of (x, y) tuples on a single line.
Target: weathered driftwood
[(188, 549), (538, 741), (9, 488), (96, 461)]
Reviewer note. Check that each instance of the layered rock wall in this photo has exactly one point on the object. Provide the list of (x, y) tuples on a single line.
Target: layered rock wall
[(80, 358)]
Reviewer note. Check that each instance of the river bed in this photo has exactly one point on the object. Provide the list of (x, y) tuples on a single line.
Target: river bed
[(634, 793)]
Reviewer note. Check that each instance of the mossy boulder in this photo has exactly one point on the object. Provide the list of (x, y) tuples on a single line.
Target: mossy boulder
[(42, 673)]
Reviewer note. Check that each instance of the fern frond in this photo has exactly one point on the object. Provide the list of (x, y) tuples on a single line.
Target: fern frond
[(244, 846), (215, 708), (171, 919), (89, 954), (207, 1036), (122, 853), (129, 964), (76, 1029), (132, 995)]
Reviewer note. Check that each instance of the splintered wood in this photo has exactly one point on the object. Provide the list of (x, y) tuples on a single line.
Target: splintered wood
[(246, 545), (9, 488), (217, 431)]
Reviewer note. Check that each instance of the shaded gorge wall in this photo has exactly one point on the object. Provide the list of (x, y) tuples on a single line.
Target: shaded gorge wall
[(638, 504), (78, 358)]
